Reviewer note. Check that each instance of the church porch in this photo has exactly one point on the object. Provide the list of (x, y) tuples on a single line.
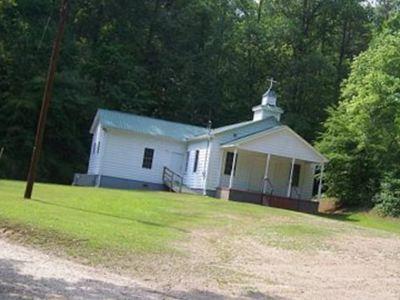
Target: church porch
[(267, 179)]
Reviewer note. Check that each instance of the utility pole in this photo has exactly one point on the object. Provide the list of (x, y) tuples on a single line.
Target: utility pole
[(37, 148)]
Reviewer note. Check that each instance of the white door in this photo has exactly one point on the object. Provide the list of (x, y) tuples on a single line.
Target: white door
[(176, 162)]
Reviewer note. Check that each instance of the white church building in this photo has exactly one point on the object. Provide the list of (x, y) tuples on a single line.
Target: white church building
[(259, 161)]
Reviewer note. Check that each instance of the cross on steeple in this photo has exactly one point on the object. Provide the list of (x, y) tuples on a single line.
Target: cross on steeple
[(271, 82), (269, 97), (268, 107)]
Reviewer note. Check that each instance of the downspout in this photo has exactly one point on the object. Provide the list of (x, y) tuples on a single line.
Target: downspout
[(206, 162)]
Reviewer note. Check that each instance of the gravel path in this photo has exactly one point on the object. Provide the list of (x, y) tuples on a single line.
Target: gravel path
[(354, 266), (29, 274)]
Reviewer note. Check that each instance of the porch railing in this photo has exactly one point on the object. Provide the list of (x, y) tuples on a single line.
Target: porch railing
[(295, 192), (173, 181), (268, 186)]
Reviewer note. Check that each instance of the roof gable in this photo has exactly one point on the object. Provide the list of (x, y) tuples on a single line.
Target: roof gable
[(280, 141)]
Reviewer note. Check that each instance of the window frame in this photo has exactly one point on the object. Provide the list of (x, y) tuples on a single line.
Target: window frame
[(296, 175), (196, 161), (147, 161), (230, 155)]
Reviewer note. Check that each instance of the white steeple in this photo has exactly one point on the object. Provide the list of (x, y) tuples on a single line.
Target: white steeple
[(269, 98), (268, 106)]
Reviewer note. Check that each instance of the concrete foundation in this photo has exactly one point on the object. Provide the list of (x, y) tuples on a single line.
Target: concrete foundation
[(115, 182)]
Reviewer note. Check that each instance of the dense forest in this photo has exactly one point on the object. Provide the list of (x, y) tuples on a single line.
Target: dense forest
[(362, 134), (187, 61)]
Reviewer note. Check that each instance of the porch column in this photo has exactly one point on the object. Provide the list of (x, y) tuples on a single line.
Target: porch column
[(321, 175), (233, 168), (289, 190), (266, 173)]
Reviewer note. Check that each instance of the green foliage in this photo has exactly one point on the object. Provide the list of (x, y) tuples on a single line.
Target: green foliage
[(388, 199), (362, 134), (384, 9), (368, 219), (188, 61)]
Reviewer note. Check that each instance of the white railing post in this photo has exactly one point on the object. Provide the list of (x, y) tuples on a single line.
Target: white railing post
[(233, 168), (289, 190), (320, 181)]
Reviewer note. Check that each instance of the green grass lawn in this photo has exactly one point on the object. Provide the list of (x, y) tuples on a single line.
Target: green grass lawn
[(87, 219), (98, 223), (369, 220)]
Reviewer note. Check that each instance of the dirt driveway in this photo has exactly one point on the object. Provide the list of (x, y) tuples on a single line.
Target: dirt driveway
[(27, 273), (355, 265), (346, 267), (30, 274)]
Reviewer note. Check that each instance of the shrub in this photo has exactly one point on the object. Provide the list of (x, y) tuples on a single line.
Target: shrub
[(388, 199)]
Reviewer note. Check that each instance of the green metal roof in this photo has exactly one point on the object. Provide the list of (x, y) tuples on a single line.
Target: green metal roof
[(146, 125), (236, 131), (230, 127), (231, 134), (179, 131)]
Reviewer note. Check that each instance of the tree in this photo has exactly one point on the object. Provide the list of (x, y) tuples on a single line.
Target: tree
[(186, 61), (317, 39), (362, 134)]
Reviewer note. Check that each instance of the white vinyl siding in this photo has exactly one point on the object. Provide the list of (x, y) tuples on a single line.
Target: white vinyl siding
[(214, 164), (193, 179), (282, 143), (123, 156)]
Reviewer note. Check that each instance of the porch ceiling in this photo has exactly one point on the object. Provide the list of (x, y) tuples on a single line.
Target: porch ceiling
[(273, 154)]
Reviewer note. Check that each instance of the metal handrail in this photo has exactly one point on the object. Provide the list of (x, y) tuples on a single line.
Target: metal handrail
[(296, 191), (170, 178), (269, 186)]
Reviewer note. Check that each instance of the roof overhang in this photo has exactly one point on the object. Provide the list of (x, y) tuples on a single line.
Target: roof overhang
[(245, 140), (95, 122), (268, 107)]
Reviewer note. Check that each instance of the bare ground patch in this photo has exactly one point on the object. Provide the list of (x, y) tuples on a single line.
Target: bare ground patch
[(354, 264), (276, 258), (346, 263)]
